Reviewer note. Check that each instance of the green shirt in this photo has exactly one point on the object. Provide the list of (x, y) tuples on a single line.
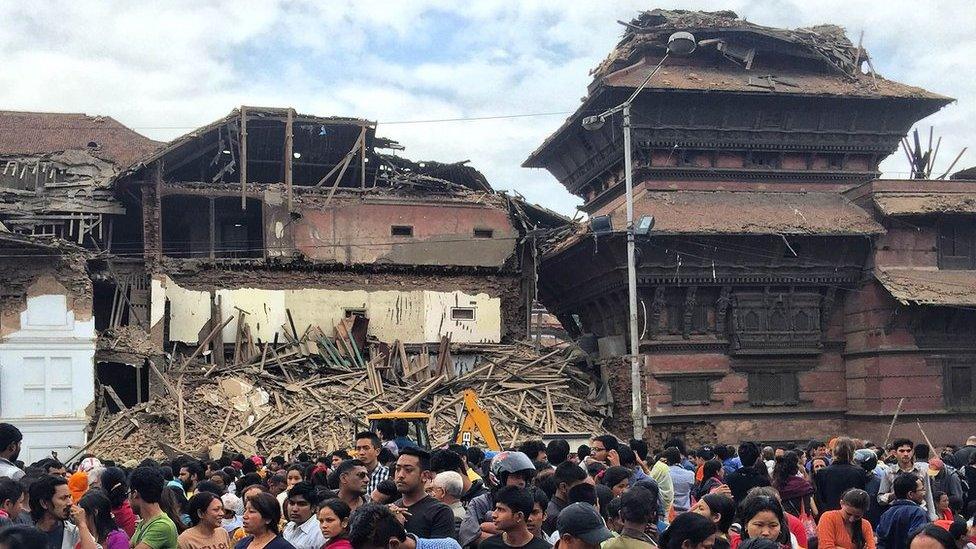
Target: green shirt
[(158, 532)]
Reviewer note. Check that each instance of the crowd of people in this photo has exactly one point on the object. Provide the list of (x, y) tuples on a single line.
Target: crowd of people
[(386, 492)]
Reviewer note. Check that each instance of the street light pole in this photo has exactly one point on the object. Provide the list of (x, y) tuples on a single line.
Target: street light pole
[(679, 43)]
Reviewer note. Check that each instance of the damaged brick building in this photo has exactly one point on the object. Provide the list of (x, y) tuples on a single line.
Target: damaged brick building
[(266, 222), (784, 292)]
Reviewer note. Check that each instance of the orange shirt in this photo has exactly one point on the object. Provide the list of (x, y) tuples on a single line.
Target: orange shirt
[(832, 532)]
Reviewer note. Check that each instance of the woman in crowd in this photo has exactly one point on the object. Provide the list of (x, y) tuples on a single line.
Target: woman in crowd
[(688, 531), (206, 512), (98, 518), (116, 486), (334, 522), (712, 474), (169, 503), (616, 478), (930, 537), (762, 517), (795, 491), (720, 509), (262, 517), (847, 528)]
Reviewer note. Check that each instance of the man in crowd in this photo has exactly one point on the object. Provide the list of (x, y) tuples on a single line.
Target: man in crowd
[(513, 505), (960, 458), (191, 474), (353, 479), (904, 451), (449, 460), (682, 480), (302, 529), (905, 515), (507, 469), (424, 516), (601, 448), (10, 439), (580, 526), (637, 511), (368, 447), (749, 475), (155, 529), (447, 488), (50, 504), (567, 475), (557, 451), (11, 500), (840, 476), (374, 526)]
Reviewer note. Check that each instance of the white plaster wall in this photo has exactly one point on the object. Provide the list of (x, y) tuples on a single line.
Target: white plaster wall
[(410, 316), (47, 377)]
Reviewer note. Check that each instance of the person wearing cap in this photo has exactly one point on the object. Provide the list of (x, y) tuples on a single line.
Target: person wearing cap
[(507, 469), (513, 505), (580, 526)]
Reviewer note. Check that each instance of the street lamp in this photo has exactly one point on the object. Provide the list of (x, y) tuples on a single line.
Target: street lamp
[(679, 44)]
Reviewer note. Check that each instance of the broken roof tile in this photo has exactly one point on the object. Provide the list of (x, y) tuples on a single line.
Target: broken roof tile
[(930, 286)]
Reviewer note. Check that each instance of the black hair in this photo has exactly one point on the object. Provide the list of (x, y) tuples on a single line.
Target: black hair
[(603, 498), (148, 481), (267, 506), (475, 456), (937, 533), (654, 491), (899, 442), (557, 451), (627, 456), (690, 527), (194, 468), (116, 485), (9, 435), (748, 453), (446, 460), (787, 466), (922, 452), (615, 475), (306, 490), (724, 506), (97, 505), (166, 471), (582, 492), (10, 489), (755, 504), (547, 484), (594, 468), (280, 460), (344, 467), (705, 453), (373, 439), (532, 448), (339, 508), (711, 468), (519, 500), (302, 457), (209, 486), (637, 505), (401, 427), (843, 450), (43, 489), (173, 503), (610, 442), (22, 536), (569, 473), (341, 454), (422, 455), (540, 497), (385, 429), (388, 488), (583, 452), (199, 502), (613, 510), (722, 452), (904, 484), (372, 525), (639, 447), (672, 455), (675, 443)]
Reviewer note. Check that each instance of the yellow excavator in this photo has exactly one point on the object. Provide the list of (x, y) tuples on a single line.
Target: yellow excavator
[(474, 422)]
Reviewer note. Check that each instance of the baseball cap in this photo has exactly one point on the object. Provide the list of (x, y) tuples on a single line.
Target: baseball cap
[(581, 520)]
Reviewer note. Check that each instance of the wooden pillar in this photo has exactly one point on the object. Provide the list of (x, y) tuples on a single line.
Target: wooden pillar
[(243, 157), (289, 145), (213, 229)]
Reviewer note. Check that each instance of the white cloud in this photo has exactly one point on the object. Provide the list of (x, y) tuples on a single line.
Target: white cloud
[(165, 68)]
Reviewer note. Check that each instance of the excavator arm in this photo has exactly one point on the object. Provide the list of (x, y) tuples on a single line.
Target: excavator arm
[(476, 420)]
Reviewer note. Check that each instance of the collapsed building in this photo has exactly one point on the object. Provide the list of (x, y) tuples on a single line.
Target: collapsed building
[(260, 227), (784, 292)]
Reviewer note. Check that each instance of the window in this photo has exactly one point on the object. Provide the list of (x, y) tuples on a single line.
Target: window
[(462, 313), (483, 233), (959, 381), (349, 313), (957, 245), (401, 230), (690, 392), (769, 388)]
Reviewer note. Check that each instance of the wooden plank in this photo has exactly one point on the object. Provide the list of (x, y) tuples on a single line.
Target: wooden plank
[(289, 145), (433, 385), (243, 157)]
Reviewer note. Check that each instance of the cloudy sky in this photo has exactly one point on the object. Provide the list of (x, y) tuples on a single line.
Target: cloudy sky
[(164, 68)]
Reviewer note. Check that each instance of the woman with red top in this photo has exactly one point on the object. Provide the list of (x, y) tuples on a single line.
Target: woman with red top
[(334, 522), (847, 528), (712, 473), (117, 487), (942, 507)]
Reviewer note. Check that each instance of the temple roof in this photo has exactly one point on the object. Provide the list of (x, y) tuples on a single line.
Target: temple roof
[(929, 286)]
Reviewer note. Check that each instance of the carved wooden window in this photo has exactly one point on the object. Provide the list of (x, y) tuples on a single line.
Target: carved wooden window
[(676, 313), (957, 244), (772, 388), (959, 381), (690, 391), (776, 322)]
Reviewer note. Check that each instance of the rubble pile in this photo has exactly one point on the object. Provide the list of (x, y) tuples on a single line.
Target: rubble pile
[(313, 392)]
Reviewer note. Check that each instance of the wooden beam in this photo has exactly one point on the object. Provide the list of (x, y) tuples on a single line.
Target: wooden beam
[(289, 146), (243, 157)]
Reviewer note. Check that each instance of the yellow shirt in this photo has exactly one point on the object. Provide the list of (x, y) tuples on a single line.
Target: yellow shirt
[(472, 475)]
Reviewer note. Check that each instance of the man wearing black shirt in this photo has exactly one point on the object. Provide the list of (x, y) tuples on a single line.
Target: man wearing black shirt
[(567, 475), (753, 472), (831, 482), (513, 505), (425, 517)]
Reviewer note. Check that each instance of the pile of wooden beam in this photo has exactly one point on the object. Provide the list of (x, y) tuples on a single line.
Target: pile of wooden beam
[(312, 393)]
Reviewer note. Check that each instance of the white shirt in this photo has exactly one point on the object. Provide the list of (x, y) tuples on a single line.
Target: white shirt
[(306, 536)]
